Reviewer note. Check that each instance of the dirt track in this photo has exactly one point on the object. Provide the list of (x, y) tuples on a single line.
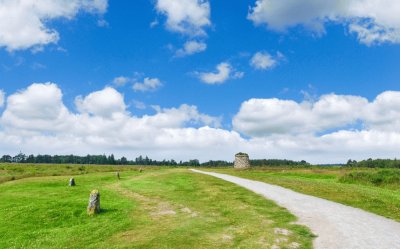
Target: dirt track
[(337, 226)]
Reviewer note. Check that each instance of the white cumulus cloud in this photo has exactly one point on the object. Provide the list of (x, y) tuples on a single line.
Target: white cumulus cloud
[(191, 47), (36, 117), (266, 117), (24, 23), (148, 84), (224, 71), (189, 17), (38, 107), (373, 21), (384, 112), (105, 103), (2, 96), (264, 60), (121, 80)]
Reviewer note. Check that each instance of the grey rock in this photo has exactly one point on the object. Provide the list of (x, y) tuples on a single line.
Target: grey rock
[(94, 203)]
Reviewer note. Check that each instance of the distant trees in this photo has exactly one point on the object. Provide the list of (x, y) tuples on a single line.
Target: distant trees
[(140, 160), (16, 159), (64, 159), (351, 163), (123, 160), (374, 163), (6, 159), (217, 163), (278, 162), (94, 159)]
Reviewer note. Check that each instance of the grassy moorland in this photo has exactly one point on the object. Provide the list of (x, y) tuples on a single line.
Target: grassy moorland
[(10, 171), (374, 190), (156, 208)]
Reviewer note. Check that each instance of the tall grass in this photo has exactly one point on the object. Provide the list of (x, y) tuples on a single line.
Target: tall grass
[(384, 177)]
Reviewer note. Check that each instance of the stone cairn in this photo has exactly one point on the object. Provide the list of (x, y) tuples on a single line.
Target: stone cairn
[(242, 161), (94, 203), (71, 182)]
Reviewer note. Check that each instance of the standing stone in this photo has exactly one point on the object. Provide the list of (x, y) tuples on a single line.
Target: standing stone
[(94, 203), (117, 174), (242, 161), (71, 182)]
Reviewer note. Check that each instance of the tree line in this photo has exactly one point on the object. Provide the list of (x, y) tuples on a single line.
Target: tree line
[(111, 160), (278, 162), (93, 159), (374, 163)]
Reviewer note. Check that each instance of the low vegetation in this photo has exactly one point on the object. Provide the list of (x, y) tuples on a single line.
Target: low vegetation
[(388, 178), (374, 163)]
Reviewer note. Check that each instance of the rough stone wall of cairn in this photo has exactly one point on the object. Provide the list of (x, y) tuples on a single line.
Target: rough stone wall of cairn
[(242, 161)]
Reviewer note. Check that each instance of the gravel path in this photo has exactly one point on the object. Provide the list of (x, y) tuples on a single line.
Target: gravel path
[(337, 226)]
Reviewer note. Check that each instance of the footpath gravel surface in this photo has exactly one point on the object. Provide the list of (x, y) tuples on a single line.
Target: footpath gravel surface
[(337, 226)]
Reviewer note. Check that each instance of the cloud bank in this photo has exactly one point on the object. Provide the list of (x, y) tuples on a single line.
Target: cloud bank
[(263, 60), (224, 71), (25, 23), (331, 129), (188, 17), (191, 47), (372, 21), (148, 84)]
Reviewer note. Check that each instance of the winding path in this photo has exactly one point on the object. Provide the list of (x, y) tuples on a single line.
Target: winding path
[(337, 226)]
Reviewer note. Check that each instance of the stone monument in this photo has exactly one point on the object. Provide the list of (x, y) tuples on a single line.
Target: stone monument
[(94, 203), (71, 182), (242, 161)]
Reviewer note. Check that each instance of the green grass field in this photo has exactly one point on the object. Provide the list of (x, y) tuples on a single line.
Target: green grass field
[(173, 207), (374, 190), (156, 208)]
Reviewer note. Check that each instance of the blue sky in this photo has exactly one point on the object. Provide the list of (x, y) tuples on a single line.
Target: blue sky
[(292, 59)]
